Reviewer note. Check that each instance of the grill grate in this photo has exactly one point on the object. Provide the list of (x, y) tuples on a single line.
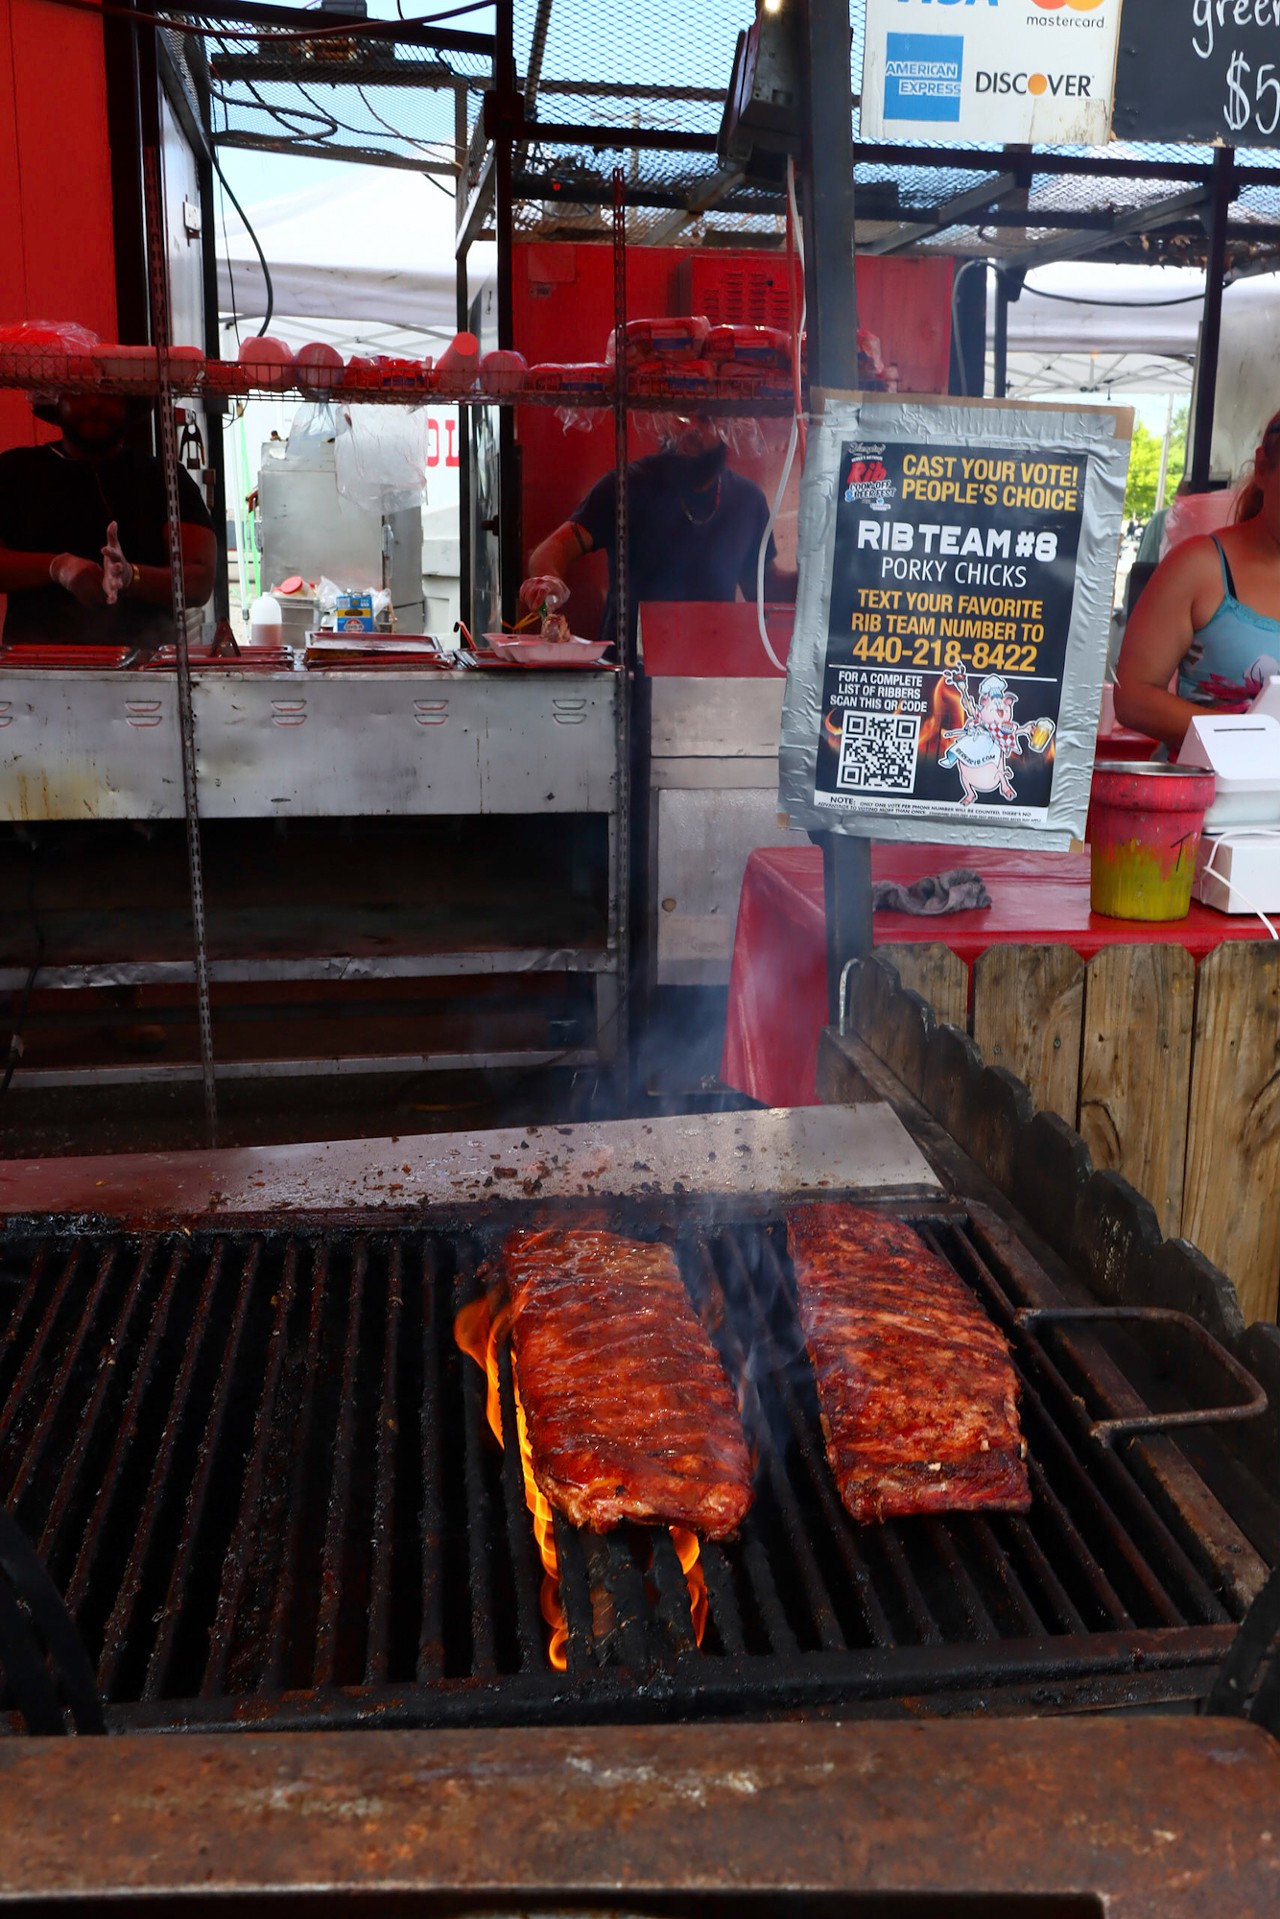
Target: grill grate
[(260, 1470)]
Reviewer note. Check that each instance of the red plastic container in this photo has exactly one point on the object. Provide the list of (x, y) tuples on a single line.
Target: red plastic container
[(1146, 818)]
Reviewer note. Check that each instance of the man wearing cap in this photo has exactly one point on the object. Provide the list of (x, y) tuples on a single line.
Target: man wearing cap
[(694, 529), (84, 554)]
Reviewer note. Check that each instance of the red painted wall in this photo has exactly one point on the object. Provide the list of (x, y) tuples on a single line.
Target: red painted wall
[(563, 297), (56, 257)]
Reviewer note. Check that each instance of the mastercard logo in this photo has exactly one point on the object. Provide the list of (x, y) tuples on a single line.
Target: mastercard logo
[(1073, 6)]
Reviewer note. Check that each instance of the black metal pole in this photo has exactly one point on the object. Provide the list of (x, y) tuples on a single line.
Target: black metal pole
[(1224, 189), (121, 56), (968, 370), (462, 310), (1000, 344), (508, 117), (827, 208)]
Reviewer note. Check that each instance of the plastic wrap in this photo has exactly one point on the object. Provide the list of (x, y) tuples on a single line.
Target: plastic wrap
[(268, 360), (503, 371), (47, 349), (381, 464), (330, 595), (667, 337), (755, 346), (458, 365), (319, 367)]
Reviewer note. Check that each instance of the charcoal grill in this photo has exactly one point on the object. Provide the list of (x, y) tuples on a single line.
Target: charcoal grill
[(235, 1422), (259, 1468)]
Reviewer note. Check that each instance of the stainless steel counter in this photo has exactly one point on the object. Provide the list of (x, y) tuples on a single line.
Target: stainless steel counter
[(82, 744), (100, 744)]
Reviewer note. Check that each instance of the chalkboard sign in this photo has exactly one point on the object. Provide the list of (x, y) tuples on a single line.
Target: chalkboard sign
[(946, 665), (1199, 70)]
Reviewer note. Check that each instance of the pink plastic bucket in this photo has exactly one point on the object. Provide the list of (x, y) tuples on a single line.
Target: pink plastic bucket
[(1146, 818)]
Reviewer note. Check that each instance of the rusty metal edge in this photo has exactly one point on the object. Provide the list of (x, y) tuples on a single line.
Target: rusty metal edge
[(1155, 1816)]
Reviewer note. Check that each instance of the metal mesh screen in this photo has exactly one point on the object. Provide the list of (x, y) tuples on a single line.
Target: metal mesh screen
[(599, 81), (378, 100)]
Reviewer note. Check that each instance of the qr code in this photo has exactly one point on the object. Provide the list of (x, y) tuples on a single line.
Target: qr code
[(878, 752)]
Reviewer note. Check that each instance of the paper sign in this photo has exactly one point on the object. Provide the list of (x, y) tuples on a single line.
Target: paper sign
[(1025, 71), (957, 564)]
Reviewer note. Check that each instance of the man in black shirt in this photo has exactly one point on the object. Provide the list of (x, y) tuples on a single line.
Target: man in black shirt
[(84, 556), (694, 528)]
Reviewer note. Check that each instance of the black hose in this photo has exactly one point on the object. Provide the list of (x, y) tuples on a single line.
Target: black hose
[(266, 270)]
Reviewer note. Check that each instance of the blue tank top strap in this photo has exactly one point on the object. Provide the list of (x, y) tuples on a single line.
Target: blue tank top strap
[(1233, 654)]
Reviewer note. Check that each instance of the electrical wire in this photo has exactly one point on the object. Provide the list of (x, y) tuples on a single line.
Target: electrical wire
[(281, 115), (231, 278), (1079, 300), (266, 270), (348, 30), (364, 133), (321, 118), (1210, 867), (408, 138)]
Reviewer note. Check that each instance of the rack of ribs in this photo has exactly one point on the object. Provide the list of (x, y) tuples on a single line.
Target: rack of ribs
[(628, 1410), (916, 1389)]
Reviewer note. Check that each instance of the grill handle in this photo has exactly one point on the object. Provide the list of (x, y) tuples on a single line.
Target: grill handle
[(1107, 1431)]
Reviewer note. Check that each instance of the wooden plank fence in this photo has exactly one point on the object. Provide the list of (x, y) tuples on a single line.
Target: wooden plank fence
[(1170, 1073)]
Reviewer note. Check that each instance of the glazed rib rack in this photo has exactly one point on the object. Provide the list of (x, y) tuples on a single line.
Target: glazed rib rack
[(259, 1468)]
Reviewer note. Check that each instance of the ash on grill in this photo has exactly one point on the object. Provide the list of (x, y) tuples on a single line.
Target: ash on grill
[(261, 1471)]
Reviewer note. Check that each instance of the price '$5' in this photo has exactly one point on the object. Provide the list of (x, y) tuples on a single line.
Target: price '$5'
[(1253, 100)]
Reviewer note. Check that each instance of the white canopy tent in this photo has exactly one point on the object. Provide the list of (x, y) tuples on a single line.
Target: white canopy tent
[(364, 259), (368, 261), (1088, 328)]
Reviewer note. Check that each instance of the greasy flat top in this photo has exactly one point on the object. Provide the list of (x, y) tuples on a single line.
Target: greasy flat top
[(740, 1154)]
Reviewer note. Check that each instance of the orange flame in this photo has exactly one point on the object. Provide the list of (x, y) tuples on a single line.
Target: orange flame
[(479, 1331), (689, 1552)]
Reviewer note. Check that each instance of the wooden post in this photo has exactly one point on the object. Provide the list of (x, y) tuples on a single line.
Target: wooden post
[(1231, 1199), (1135, 1070), (1027, 1006)]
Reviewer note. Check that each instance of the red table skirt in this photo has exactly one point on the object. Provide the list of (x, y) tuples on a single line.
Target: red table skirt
[(778, 983)]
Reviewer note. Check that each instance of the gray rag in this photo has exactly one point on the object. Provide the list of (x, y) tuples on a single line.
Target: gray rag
[(954, 892)]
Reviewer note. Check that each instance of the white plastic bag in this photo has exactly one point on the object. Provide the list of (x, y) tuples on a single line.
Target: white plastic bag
[(381, 464)]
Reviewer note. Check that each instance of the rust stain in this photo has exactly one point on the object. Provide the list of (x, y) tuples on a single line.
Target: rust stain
[(32, 797)]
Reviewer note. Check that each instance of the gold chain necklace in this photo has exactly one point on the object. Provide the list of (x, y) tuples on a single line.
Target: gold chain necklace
[(695, 519)]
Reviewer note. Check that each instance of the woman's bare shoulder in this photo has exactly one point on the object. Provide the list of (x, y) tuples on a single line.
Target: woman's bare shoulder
[(1194, 561)]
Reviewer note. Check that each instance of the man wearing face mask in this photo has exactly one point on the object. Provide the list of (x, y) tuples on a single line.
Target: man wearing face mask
[(694, 528), (84, 553)]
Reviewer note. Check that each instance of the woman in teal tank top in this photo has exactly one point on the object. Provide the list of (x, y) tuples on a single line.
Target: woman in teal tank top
[(1210, 615)]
